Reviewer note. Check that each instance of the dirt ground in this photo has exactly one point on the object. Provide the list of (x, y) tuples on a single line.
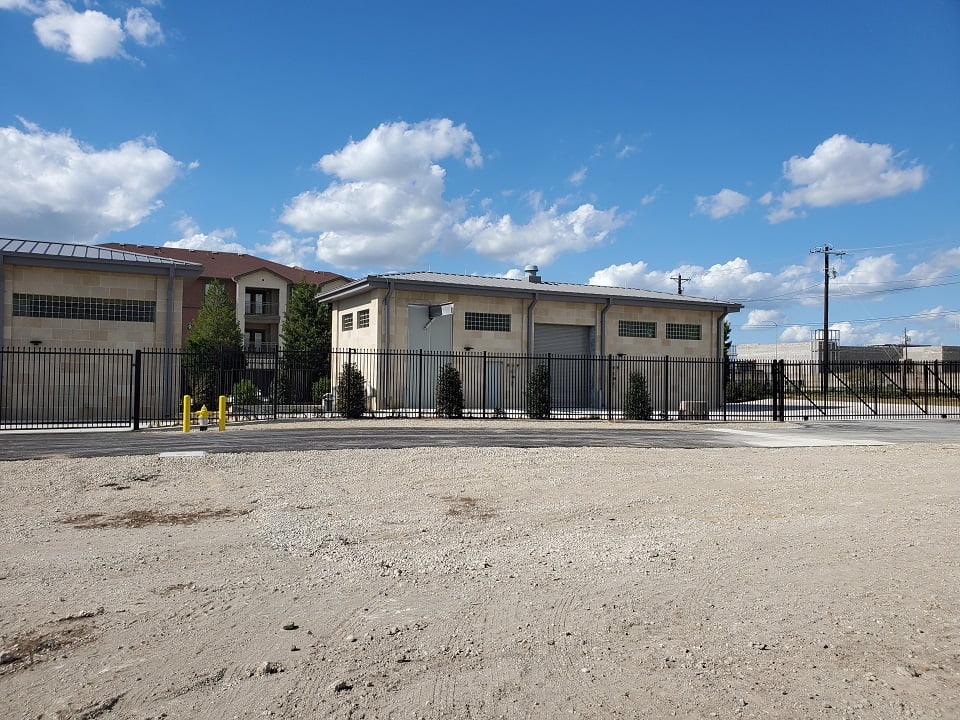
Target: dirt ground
[(484, 583)]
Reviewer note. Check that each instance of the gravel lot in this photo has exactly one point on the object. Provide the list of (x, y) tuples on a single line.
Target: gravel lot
[(484, 583)]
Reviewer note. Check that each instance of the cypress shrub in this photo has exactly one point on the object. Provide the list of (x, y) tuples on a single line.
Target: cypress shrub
[(449, 392), (637, 404), (351, 392), (538, 393)]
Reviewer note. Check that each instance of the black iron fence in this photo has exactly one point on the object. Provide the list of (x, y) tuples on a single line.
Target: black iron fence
[(102, 388)]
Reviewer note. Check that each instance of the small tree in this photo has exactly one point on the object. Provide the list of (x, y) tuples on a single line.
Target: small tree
[(214, 344), (637, 404), (215, 327), (351, 392), (449, 392), (305, 333), (538, 393)]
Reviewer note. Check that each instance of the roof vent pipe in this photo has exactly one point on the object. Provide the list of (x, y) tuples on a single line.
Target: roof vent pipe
[(531, 271)]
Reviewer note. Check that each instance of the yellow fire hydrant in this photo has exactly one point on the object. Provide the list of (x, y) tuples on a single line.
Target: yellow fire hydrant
[(203, 418)]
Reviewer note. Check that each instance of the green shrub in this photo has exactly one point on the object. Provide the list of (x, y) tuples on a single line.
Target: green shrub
[(746, 390), (245, 392), (319, 388), (637, 404), (449, 392), (351, 392), (538, 393)]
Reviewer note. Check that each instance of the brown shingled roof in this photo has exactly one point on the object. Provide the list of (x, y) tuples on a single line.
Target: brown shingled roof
[(225, 265)]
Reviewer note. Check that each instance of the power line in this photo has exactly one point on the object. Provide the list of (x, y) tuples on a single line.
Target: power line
[(914, 316)]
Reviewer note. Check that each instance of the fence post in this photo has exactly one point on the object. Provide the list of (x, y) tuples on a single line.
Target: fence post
[(926, 390), (137, 377), (276, 377), (665, 390), (609, 395), (483, 384), (549, 382), (782, 389), (420, 384)]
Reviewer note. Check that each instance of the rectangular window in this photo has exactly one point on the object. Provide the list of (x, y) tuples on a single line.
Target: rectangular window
[(363, 318), (81, 308), (346, 321), (638, 328), (490, 322), (680, 331)]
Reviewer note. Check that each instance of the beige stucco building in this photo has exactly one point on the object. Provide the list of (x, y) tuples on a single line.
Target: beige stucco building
[(94, 305), (461, 314), (61, 295)]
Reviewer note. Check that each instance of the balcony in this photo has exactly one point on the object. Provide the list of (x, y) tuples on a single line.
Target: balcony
[(260, 347), (259, 309)]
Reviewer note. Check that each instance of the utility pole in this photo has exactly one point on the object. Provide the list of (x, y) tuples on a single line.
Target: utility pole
[(680, 281), (827, 251)]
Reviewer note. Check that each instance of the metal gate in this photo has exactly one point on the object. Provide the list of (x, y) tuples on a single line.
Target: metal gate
[(65, 388)]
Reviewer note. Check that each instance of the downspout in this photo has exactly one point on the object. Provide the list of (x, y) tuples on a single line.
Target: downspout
[(603, 326), (3, 293), (169, 328), (386, 315), (723, 315), (530, 307)]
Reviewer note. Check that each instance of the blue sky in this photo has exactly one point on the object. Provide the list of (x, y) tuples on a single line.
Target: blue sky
[(614, 143)]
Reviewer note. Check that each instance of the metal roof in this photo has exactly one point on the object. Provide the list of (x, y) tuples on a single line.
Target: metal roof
[(478, 284), (90, 256)]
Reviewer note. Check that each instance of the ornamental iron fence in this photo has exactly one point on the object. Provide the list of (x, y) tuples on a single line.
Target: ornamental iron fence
[(61, 388)]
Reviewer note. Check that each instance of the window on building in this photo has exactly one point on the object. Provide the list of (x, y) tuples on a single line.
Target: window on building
[(638, 329), (346, 321), (681, 331), (83, 308), (363, 318), (491, 322)]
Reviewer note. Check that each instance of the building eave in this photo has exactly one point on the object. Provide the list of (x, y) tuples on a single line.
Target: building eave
[(545, 290)]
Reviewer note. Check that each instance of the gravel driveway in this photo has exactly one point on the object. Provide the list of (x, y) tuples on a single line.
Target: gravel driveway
[(484, 583)]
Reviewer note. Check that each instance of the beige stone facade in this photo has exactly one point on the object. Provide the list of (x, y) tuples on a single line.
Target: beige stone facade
[(51, 332), (505, 322), (517, 340), (96, 304)]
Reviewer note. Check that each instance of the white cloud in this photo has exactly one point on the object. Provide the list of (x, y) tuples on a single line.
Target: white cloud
[(766, 198), (402, 151), (795, 333), (289, 249), (726, 281), (215, 240), (512, 274), (85, 36), (842, 170), (388, 207), (578, 177), (764, 318), (143, 27), (88, 35), (724, 203), (55, 187), (548, 233), (652, 196), (944, 263)]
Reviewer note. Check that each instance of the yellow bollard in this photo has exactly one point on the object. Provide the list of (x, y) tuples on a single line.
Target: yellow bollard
[(186, 413), (222, 413)]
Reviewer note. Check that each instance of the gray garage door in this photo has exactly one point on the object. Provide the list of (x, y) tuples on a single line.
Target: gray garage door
[(571, 378)]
